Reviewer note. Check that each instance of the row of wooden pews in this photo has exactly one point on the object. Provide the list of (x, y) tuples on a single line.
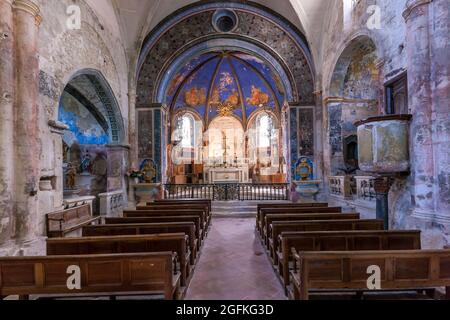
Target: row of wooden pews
[(318, 249), (151, 251)]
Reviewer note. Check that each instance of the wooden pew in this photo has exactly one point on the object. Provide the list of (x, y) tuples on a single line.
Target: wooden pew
[(168, 206), (261, 206), (264, 212), (184, 201), (270, 218), (400, 270), (175, 242), (170, 213), (62, 223), (101, 275), (290, 243), (318, 225), (199, 232), (187, 228)]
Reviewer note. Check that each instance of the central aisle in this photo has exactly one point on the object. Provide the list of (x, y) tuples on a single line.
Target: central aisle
[(233, 265)]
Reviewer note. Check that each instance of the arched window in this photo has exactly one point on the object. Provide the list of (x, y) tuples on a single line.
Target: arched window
[(186, 127), (264, 127)]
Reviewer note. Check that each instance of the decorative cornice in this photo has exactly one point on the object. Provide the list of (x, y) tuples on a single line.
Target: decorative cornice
[(413, 4), (328, 100), (30, 7)]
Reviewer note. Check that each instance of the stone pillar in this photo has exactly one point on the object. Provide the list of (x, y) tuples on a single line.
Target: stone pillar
[(26, 25), (382, 185), (440, 87), (6, 119), (417, 17), (152, 137), (134, 163)]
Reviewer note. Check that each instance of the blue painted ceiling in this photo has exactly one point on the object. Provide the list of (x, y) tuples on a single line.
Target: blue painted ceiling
[(225, 82)]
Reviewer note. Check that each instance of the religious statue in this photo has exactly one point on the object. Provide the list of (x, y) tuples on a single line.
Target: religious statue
[(149, 171), (71, 174), (85, 166), (169, 172)]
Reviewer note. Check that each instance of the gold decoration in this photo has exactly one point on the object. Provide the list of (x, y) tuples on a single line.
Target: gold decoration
[(258, 98), (195, 97)]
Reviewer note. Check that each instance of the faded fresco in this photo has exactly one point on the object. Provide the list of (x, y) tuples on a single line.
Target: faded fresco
[(225, 84)]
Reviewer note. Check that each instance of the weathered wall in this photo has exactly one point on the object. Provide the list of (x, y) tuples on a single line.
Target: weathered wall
[(62, 54), (421, 200)]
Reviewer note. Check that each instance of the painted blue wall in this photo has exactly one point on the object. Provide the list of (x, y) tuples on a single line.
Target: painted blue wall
[(84, 129)]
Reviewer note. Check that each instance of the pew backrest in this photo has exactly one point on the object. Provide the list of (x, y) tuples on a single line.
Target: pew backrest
[(187, 228), (410, 269), (59, 224), (290, 242), (110, 275), (293, 210)]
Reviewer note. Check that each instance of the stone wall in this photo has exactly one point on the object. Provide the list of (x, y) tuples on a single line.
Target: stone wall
[(421, 200), (61, 54)]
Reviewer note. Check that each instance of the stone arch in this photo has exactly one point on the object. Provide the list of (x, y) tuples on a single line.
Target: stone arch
[(257, 25), (361, 47), (105, 108)]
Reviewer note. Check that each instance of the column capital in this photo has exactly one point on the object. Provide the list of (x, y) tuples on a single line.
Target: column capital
[(29, 7), (382, 185), (411, 5)]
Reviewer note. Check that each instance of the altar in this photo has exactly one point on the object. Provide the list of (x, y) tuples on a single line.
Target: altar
[(214, 175)]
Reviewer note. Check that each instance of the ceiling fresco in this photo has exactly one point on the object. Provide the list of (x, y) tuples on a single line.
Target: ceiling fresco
[(225, 84)]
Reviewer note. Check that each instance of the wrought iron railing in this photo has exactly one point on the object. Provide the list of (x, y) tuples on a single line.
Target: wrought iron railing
[(228, 191)]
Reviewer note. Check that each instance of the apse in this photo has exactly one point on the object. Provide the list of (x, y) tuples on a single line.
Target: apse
[(227, 84)]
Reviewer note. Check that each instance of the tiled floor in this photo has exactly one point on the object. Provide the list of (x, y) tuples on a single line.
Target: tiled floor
[(233, 265)]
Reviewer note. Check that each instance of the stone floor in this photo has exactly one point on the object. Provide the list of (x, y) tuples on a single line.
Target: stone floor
[(233, 265)]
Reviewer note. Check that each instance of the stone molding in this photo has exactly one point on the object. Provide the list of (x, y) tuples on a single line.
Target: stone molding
[(411, 5), (30, 7)]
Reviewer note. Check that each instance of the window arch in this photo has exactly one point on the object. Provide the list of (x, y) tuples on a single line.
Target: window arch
[(264, 130), (186, 127)]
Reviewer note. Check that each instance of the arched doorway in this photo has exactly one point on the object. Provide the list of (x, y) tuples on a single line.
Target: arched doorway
[(92, 162)]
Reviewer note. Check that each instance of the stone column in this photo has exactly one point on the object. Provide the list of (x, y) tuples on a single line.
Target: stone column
[(134, 163), (417, 17), (6, 119), (26, 25), (382, 185), (440, 87)]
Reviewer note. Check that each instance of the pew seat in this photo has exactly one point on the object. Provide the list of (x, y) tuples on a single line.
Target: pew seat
[(292, 242), (188, 228), (339, 271), (176, 242), (62, 223), (101, 275)]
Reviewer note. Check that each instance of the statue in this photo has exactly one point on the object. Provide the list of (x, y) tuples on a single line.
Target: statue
[(85, 166), (71, 174), (149, 171)]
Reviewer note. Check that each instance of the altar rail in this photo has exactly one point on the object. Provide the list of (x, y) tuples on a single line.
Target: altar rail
[(228, 192)]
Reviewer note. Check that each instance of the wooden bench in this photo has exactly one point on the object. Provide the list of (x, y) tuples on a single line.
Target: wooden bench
[(187, 228), (175, 242), (290, 243), (186, 201), (318, 225), (199, 232), (101, 275), (172, 213), (175, 207), (270, 218), (400, 270), (60, 224), (261, 206), (264, 212)]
